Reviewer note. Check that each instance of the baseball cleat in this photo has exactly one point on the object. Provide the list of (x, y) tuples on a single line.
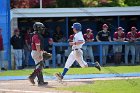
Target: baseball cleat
[(42, 83), (59, 76), (31, 80), (97, 65)]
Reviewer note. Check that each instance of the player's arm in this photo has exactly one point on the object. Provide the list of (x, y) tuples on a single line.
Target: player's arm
[(123, 37), (109, 37), (38, 47), (97, 38), (77, 43), (115, 37), (37, 43), (128, 36)]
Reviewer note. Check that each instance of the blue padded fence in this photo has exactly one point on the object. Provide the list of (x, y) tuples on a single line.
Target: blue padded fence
[(99, 44)]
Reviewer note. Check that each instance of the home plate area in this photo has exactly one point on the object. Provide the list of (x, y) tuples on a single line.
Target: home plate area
[(24, 86)]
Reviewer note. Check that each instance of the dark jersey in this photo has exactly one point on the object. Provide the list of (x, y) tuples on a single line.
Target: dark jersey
[(103, 36), (17, 42)]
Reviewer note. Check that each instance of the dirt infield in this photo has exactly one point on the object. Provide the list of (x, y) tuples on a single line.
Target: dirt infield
[(24, 86)]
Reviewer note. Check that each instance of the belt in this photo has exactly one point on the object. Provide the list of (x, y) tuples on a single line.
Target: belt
[(77, 49)]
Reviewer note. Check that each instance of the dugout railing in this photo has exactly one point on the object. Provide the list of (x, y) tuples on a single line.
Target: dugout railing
[(99, 44)]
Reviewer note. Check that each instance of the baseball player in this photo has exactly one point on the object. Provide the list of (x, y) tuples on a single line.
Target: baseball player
[(131, 38), (89, 37), (37, 54), (76, 53), (104, 35), (119, 36)]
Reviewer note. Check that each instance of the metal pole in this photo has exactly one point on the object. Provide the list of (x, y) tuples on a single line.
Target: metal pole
[(118, 21), (9, 35), (53, 56), (40, 3), (101, 54), (67, 30)]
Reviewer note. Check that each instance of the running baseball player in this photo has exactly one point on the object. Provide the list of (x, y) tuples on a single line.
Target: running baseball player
[(37, 54), (76, 53)]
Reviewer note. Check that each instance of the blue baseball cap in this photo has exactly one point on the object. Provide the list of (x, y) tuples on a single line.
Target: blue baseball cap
[(77, 26)]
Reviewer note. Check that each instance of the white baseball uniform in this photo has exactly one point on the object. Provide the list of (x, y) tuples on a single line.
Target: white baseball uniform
[(77, 53)]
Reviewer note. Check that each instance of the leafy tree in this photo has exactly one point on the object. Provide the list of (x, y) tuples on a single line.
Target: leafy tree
[(132, 2)]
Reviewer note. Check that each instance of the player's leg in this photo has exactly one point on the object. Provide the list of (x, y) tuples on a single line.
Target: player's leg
[(106, 52), (20, 54), (68, 64), (120, 54), (38, 70), (58, 56), (127, 47), (132, 49), (85, 52), (104, 55), (40, 74), (116, 50), (79, 59), (90, 52), (16, 58)]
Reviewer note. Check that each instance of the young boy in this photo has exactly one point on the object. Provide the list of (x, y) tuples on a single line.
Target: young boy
[(77, 53)]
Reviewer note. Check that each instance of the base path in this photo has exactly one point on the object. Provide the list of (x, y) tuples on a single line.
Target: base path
[(24, 86)]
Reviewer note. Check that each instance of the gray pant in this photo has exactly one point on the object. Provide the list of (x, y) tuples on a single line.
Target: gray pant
[(18, 57), (105, 53), (88, 51), (1, 59), (131, 48)]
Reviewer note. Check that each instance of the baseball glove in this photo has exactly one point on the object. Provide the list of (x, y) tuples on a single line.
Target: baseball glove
[(46, 55)]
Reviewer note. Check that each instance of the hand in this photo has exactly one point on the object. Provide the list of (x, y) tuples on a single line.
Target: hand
[(131, 40)]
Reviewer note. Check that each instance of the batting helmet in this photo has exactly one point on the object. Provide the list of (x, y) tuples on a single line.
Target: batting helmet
[(39, 27), (77, 26)]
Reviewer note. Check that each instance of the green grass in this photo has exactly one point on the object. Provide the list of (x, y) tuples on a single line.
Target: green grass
[(109, 86), (51, 71)]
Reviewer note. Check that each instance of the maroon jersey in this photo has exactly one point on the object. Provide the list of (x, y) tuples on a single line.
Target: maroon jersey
[(132, 36), (35, 41), (88, 36), (119, 36)]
